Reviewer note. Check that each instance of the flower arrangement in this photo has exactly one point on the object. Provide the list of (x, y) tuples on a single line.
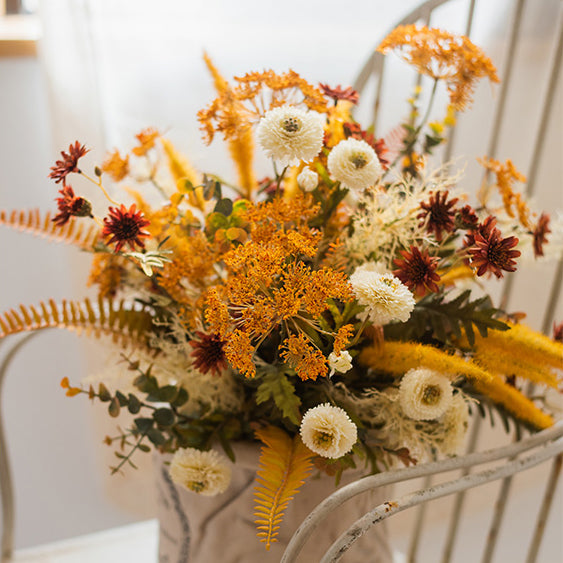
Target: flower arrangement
[(332, 312)]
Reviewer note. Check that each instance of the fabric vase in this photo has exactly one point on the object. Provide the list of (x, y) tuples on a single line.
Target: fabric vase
[(221, 529)]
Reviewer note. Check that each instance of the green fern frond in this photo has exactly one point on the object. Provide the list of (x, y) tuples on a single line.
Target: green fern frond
[(33, 221), (285, 463), (122, 322)]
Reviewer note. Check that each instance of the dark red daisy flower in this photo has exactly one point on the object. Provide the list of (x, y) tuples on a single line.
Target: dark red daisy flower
[(125, 227), (417, 270), (484, 229), (493, 253), (558, 332), (438, 214), (540, 234), (466, 218), (71, 206), (354, 131), (208, 353), (69, 163), (339, 93)]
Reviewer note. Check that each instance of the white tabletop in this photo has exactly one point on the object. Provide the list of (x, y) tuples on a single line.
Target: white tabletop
[(136, 542)]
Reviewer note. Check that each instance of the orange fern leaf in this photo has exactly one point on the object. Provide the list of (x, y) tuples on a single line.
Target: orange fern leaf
[(285, 463), (32, 221), (124, 323)]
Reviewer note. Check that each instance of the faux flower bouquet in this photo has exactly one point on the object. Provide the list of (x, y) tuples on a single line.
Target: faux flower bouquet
[(332, 311)]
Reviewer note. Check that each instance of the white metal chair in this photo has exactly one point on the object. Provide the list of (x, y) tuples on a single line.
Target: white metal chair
[(547, 446)]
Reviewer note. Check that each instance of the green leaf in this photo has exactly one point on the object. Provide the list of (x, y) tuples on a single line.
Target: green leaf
[(181, 398), (226, 446), (164, 417), (167, 393), (134, 405), (121, 398), (143, 424), (278, 387), (144, 448), (224, 206), (103, 393), (114, 408), (156, 437), (146, 383)]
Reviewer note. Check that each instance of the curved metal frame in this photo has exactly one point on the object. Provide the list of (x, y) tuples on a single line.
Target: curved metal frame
[(539, 440), (6, 484)]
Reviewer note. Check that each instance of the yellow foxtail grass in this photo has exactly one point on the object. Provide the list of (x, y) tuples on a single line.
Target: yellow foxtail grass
[(512, 361), (242, 153), (182, 170), (399, 357), (455, 274), (525, 343), (241, 147)]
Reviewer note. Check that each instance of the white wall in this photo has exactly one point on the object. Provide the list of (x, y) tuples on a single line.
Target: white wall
[(58, 478)]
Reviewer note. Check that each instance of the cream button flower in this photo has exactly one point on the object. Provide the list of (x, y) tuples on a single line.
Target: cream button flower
[(288, 134), (425, 394), (354, 164), (328, 431), (340, 363), (307, 179), (383, 295), (207, 473)]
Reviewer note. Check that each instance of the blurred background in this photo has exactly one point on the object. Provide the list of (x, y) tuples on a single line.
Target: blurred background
[(102, 70)]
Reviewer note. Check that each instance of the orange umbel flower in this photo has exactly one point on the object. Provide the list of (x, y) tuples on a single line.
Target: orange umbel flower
[(125, 227), (116, 166), (307, 361), (146, 138), (342, 338), (442, 56), (69, 163), (237, 108), (506, 175), (239, 352)]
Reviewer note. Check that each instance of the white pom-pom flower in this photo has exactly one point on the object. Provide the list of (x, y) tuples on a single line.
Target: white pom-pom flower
[(425, 394), (307, 179), (206, 473), (288, 134), (328, 431), (384, 296), (340, 362), (354, 164)]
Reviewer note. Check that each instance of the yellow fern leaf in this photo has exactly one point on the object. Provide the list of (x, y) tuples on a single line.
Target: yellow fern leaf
[(75, 232), (124, 324), (285, 463)]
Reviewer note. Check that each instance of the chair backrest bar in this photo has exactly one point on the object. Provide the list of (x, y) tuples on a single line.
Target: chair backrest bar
[(375, 69)]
